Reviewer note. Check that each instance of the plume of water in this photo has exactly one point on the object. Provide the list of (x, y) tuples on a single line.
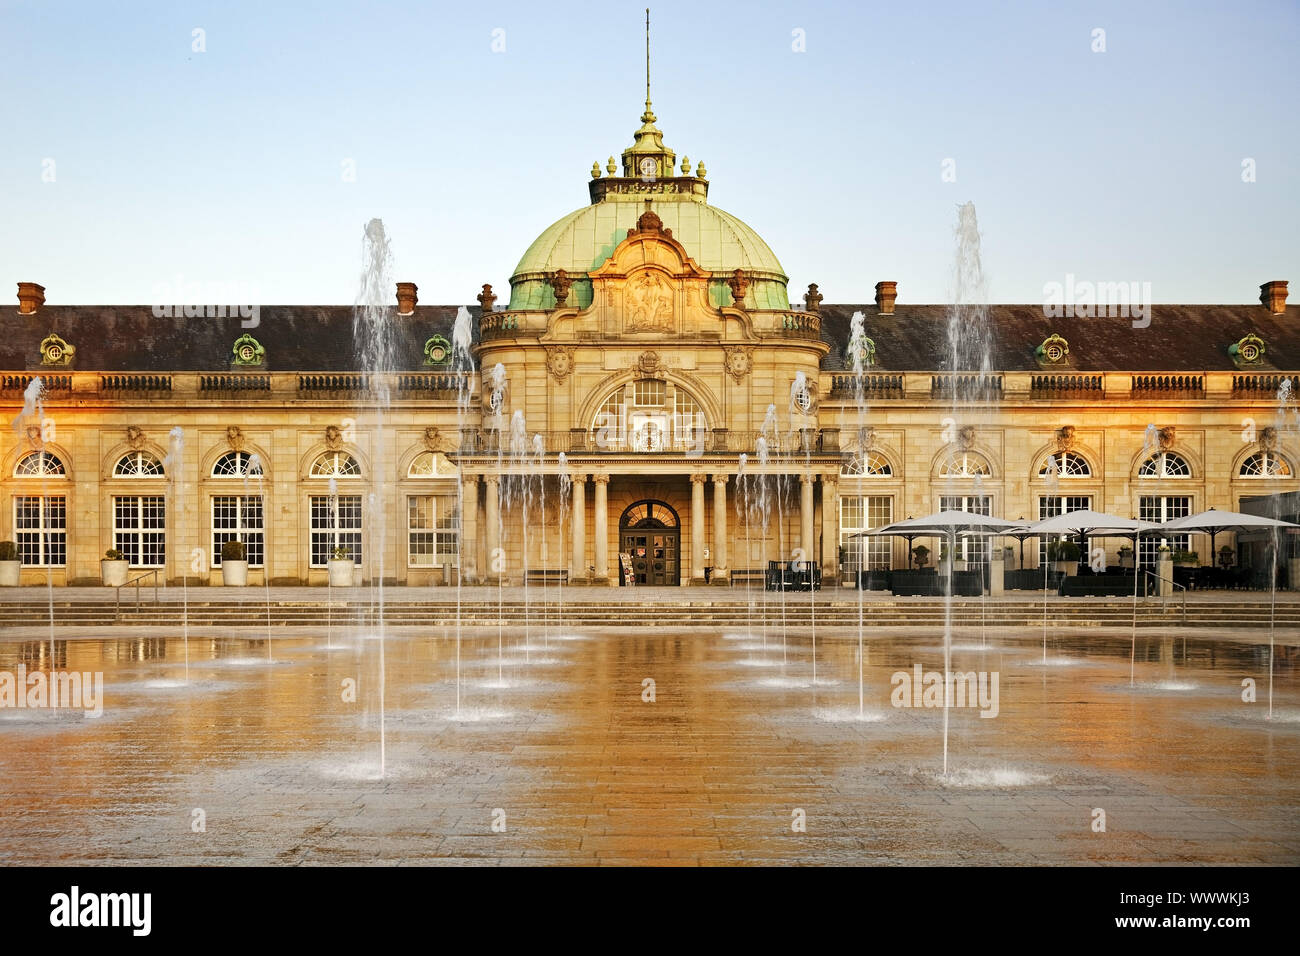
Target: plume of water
[(462, 366), (374, 343), (172, 469), (566, 490), (255, 470)]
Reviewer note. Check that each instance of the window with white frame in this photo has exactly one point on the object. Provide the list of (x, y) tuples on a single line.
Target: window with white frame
[(40, 464), (973, 550), (869, 465), (965, 465), (1265, 464), (1158, 509), (41, 530), (140, 529), (1165, 464), (1065, 464), (335, 523), (236, 464), (433, 531), (860, 513), (1049, 506), (138, 464), (335, 464), (238, 518)]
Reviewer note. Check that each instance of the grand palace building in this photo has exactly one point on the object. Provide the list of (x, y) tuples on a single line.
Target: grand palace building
[(648, 393)]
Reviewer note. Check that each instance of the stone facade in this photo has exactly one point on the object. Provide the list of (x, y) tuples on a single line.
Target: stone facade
[(699, 416)]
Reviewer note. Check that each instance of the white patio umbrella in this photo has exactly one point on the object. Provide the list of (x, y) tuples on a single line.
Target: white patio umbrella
[(1097, 524), (1213, 522)]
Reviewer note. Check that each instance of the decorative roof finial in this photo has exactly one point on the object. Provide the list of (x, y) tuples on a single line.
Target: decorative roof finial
[(648, 116)]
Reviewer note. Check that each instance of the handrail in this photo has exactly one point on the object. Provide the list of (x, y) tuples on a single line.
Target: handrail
[(117, 603), (1178, 586)]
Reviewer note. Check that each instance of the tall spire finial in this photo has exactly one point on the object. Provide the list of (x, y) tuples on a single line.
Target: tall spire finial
[(649, 116)]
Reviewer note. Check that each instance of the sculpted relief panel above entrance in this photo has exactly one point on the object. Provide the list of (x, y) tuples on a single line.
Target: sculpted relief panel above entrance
[(648, 303)]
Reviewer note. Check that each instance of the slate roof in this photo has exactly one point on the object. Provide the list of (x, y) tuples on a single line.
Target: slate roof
[(308, 338), (1180, 338)]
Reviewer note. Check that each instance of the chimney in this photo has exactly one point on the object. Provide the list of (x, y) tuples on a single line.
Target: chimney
[(32, 296), (406, 298), (1272, 294), (886, 293)]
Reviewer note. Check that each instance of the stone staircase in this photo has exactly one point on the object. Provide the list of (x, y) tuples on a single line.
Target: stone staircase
[(724, 614)]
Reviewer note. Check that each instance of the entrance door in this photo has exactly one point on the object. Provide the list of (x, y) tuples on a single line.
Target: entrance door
[(650, 537)]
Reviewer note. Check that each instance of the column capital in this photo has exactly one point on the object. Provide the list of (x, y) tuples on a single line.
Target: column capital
[(600, 479), (698, 478), (806, 479), (491, 479), (720, 479)]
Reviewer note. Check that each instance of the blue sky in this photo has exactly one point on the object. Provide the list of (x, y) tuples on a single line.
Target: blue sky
[(226, 166)]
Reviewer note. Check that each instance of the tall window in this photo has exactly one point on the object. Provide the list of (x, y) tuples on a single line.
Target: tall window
[(860, 513), (649, 415), (1049, 506), (335, 527), (236, 464), (1160, 508), (238, 517), (433, 531), (40, 464), (1165, 464), (140, 529), (971, 549), (138, 464), (1265, 464), (41, 530)]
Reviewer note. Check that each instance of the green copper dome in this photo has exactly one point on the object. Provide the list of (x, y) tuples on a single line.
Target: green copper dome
[(584, 239)]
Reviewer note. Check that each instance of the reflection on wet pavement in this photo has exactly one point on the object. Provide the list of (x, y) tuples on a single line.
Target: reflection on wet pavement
[(652, 747)]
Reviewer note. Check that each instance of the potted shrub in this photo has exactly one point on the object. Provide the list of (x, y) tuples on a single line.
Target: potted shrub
[(234, 563), (1186, 557), (921, 555), (10, 564), (1226, 555), (341, 567), (1065, 555), (114, 568), (1126, 557)]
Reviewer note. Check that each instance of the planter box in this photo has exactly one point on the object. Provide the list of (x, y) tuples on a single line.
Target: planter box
[(9, 573), (340, 570), (114, 573), (1126, 561), (234, 574)]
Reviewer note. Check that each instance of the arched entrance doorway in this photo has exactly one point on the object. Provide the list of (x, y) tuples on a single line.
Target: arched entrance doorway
[(650, 536)]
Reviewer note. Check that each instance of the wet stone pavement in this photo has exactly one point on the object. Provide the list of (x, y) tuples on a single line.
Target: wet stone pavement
[(558, 754)]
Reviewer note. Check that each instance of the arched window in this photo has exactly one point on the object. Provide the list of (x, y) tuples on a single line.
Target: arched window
[(867, 466), (1067, 465), (1265, 464), (335, 464), (1165, 464), (965, 465), (40, 464), (429, 464), (138, 464), (236, 464), (649, 415)]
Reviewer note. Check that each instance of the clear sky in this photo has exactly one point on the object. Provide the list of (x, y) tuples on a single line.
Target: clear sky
[(227, 166)]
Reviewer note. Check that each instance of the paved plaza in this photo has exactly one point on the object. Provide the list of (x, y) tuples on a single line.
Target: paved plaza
[(651, 746)]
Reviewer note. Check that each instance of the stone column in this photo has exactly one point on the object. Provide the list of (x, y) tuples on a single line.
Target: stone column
[(492, 519), (469, 529), (721, 573), (697, 528), (806, 539), (602, 529), (578, 565), (830, 530)]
